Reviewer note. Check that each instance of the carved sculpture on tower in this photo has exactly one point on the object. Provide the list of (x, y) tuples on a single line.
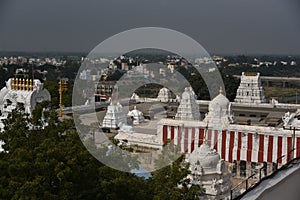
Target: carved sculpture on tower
[(188, 108)]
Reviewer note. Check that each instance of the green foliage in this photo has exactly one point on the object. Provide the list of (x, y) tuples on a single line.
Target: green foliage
[(52, 163), (170, 182)]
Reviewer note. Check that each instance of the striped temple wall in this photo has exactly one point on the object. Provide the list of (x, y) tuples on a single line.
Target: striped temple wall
[(234, 145)]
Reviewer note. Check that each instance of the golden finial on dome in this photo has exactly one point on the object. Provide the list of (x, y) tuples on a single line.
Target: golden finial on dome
[(12, 84), (20, 84), (16, 84), (30, 85), (221, 90), (23, 84)]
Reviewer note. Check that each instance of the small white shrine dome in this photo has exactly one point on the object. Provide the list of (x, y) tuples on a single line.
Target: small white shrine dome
[(208, 157), (135, 113), (220, 102)]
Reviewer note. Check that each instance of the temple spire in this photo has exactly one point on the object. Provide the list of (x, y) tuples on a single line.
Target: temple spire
[(221, 90)]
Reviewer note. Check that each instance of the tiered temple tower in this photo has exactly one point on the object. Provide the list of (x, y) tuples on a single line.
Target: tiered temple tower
[(188, 108), (250, 90), (164, 95), (114, 116)]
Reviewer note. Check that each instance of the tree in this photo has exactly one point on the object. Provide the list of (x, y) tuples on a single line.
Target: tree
[(51, 162)]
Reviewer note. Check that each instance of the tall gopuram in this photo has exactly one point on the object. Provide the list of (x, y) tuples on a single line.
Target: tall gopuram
[(114, 116), (188, 108), (208, 170), (21, 91), (250, 90)]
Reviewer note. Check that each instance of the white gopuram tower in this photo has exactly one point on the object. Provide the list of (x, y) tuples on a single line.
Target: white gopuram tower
[(188, 108), (250, 90), (28, 92), (208, 171), (164, 95), (114, 116)]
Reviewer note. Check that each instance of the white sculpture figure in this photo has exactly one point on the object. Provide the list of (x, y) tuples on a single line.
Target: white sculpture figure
[(286, 118), (291, 119)]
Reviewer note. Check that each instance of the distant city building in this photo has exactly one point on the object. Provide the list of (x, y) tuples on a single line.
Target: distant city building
[(103, 90), (85, 75), (250, 90)]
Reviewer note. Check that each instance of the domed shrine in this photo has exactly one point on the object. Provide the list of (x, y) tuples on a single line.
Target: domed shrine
[(136, 116), (208, 170), (219, 112)]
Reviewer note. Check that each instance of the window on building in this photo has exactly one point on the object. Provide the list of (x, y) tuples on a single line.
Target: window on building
[(243, 168), (234, 168)]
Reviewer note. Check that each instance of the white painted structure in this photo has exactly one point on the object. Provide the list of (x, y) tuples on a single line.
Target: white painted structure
[(220, 112), (250, 90), (21, 91), (164, 95), (208, 170), (188, 108), (114, 116), (136, 116)]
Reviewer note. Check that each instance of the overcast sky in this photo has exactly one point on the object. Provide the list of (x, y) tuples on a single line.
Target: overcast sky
[(221, 26)]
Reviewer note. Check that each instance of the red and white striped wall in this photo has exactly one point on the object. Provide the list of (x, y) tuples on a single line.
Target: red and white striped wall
[(234, 145)]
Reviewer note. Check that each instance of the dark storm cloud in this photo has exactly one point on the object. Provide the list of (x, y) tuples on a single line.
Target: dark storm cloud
[(231, 26)]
